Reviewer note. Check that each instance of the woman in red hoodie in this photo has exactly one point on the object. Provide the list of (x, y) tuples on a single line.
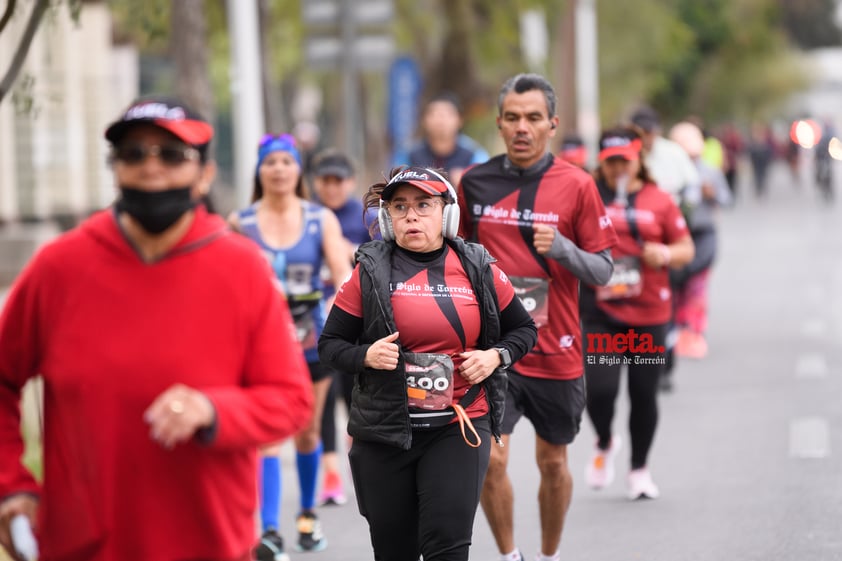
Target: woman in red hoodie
[(167, 356)]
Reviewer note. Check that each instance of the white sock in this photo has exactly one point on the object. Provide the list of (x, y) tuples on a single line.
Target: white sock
[(513, 556), (554, 557)]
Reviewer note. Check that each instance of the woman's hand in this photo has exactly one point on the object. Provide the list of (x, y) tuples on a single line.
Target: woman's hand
[(383, 354), (176, 415), (16, 504), (656, 255), (478, 365)]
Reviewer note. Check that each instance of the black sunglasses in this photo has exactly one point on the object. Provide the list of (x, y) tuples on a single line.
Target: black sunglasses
[(172, 155)]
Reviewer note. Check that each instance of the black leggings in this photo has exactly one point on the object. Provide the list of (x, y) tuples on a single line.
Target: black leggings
[(422, 500), (344, 383), (602, 375)]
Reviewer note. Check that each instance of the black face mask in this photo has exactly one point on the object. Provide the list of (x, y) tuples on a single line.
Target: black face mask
[(155, 211)]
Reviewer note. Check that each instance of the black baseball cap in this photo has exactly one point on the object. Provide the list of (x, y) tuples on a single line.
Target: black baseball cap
[(168, 113), (333, 163), (646, 118)]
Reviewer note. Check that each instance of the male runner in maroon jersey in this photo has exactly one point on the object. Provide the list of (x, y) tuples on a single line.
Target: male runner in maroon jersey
[(544, 221)]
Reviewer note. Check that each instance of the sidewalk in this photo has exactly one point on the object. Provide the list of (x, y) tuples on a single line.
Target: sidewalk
[(19, 242)]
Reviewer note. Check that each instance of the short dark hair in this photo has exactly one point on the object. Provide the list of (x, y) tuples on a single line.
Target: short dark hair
[(524, 83), (446, 97)]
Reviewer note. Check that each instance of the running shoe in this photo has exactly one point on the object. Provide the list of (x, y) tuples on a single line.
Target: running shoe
[(332, 498), (697, 347), (687, 345), (332, 492), (599, 471), (641, 485), (310, 537), (270, 547)]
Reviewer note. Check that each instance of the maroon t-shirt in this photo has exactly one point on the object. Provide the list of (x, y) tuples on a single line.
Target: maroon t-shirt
[(499, 209), (657, 219), (435, 309)]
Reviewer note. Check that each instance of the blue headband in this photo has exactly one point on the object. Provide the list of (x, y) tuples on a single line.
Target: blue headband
[(272, 143)]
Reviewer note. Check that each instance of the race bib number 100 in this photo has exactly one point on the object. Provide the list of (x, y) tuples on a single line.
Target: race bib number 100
[(429, 380)]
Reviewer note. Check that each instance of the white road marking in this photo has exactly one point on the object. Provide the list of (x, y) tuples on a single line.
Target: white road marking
[(814, 328), (811, 365), (809, 437)]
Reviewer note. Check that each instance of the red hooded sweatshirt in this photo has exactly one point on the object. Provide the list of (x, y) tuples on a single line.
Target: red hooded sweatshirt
[(109, 332)]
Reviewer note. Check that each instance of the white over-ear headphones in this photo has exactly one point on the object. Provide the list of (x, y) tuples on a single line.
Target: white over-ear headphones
[(450, 214)]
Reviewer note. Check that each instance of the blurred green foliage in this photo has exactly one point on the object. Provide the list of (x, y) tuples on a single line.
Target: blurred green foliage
[(145, 24), (718, 59)]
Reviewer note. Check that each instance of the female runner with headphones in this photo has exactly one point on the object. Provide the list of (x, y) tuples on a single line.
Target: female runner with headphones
[(427, 324), (296, 236)]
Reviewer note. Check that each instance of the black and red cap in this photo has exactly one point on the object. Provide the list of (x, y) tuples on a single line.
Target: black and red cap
[(168, 113), (425, 179), (620, 144)]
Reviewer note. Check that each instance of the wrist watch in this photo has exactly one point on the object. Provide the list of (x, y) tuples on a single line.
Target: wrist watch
[(505, 356)]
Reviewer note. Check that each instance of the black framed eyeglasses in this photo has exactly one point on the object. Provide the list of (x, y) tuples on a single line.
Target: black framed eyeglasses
[(172, 155)]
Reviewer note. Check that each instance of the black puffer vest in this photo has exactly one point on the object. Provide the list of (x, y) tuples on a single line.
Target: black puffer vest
[(379, 408)]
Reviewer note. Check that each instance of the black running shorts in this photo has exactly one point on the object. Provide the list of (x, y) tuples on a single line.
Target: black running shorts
[(554, 407)]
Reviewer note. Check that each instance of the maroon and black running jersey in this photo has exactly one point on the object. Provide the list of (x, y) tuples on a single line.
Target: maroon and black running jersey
[(657, 219), (499, 208), (435, 308)]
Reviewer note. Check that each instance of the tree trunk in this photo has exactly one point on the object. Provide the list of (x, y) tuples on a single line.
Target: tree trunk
[(456, 70), (7, 14), (565, 77), (23, 48), (273, 107), (189, 50)]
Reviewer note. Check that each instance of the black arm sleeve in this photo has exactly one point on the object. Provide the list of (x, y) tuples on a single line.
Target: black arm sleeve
[(338, 346), (518, 331)]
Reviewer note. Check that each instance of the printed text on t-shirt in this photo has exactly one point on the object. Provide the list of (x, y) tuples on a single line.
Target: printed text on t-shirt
[(513, 216), (437, 290)]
